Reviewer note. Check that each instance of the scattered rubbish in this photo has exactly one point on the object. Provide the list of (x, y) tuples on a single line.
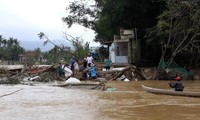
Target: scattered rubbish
[(110, 89), (34, 78), (126, 80), (72, 80), (121, 77)]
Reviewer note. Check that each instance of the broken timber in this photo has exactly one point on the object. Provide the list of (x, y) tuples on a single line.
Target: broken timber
[(130, 68)]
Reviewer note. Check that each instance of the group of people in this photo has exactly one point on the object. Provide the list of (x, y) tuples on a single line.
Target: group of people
[(88, 69)]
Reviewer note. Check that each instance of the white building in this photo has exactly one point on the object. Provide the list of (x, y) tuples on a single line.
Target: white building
[(124, 48)]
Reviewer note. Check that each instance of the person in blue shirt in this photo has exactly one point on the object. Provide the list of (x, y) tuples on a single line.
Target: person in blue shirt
[(93, 73)]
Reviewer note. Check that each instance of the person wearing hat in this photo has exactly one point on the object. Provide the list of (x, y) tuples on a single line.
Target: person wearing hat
[(178, 86)]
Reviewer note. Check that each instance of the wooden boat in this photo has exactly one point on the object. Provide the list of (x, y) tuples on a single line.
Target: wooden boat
[(171, 92)]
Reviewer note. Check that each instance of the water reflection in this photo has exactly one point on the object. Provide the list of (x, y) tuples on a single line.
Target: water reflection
[(127, 103)]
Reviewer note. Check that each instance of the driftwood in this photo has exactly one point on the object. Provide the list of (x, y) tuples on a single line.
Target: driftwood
[(140, 74), (11, 93), (119, 74), (4, 71), (51, 68), (43, 75), (40, 74), (130, 68), (109, 72)]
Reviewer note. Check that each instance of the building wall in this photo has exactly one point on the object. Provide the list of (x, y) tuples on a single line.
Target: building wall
[(118, 52), (112, 52), (125, 47), (122, 49), (121, 59)]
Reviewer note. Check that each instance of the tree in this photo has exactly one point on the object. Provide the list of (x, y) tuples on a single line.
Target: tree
[(1, 47), (106, 17), (10, 49), (38, 53), (178, 29), (103, 52), (79, 50)]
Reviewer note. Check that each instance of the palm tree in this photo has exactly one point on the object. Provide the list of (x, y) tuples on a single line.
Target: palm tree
[(4, 42), (10, 42), (16, 42), (2, 39)]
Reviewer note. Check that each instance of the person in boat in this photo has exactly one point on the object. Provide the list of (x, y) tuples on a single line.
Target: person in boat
[(178, 86)]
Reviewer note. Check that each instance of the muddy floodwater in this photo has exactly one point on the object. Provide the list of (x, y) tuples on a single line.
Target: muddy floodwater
[(129, 102)]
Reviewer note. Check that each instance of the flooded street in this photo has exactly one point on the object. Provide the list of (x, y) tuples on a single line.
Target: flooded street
[(129, 102)]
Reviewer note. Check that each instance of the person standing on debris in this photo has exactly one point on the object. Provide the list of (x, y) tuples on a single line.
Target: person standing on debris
[(84, 74), (72, 61), (59, 70), (85, 63), (178, 86), (89, 60), (84, 70), (92, 72), (76, 67), (107, 63)]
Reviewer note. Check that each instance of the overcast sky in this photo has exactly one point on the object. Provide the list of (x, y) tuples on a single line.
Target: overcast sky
[(24, 19)]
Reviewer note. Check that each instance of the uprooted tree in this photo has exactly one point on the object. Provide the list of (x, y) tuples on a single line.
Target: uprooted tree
[(79, 50)]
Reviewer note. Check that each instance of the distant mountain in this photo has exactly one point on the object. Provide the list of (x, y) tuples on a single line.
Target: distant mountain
[(32, 45)]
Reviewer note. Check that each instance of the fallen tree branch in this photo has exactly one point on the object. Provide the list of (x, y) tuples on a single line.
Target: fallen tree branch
[(11, 93), (147, 78)]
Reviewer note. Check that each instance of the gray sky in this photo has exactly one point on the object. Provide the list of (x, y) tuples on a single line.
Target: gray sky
[(24, 19)]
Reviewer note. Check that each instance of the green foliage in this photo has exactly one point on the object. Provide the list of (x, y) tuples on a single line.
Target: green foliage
[(61, 52), (103, 52), (177, 29), (82, 14), (106, 17), (53, 56), (10, 49)]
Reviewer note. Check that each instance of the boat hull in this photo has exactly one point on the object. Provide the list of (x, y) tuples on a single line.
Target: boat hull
[(171, 92)]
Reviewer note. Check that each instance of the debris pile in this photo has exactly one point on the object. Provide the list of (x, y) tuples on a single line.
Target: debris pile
[(12, 75), (47, 73), (129, 72)]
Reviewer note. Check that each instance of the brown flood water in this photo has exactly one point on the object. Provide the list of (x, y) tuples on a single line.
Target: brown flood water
[(129, 102)]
